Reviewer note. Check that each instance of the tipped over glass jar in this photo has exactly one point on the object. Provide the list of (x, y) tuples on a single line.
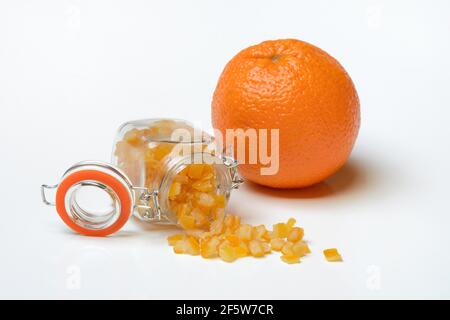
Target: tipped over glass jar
[(162, 171)]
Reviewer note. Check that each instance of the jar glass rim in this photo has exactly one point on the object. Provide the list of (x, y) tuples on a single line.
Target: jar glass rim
[(179, 165), (205, 137)]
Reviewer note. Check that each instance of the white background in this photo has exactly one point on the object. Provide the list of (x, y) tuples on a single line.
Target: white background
[(72, 71)]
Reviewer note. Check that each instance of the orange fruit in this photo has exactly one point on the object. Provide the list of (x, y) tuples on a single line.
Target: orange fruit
[(299, 89)]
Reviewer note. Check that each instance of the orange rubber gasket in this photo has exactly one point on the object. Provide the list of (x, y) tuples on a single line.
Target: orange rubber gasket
[(121, 191)]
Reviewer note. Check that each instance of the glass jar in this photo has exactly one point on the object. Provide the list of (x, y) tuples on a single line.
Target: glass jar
[(162, 171)]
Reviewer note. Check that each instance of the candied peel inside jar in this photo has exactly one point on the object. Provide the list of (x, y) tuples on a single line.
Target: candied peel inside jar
[(153, 156)]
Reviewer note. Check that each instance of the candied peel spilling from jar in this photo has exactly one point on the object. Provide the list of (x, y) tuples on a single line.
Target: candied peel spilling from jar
[(193, 197), (197, 205), (226, 237)]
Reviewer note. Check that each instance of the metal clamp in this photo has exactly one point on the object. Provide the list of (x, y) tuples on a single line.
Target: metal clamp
[(229, 162), (236, 179), (146, 197), (44, 198)]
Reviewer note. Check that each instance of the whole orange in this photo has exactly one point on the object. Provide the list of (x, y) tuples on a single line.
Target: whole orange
[(299, 89)]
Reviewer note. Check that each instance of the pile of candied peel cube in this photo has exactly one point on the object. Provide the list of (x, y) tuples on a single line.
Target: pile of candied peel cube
[(209, 233), (230, 240)]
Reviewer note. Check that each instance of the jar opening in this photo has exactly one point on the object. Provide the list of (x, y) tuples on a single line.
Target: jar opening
[(222, 180), (92, 205)]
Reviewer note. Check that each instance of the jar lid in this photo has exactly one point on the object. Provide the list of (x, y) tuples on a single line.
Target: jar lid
[(93, 198)]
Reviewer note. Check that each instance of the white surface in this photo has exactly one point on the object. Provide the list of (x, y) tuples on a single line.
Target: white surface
[(72, 71)]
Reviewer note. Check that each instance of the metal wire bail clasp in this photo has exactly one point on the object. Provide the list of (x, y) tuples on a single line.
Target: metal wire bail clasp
[(45, 187), (231, 164), (148, 201)]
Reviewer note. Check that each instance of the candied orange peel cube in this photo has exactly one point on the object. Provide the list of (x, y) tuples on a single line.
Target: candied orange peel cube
[(227, 252), (232, 222), (295, 234), (291, 222), (203, 186), (256, 248), (242, 250), (280, 230), (195, 171), (332, 255), (259, 232), (287, 248), (209, 248), (175, 190), (180, 247), (290, 258), (173, 239), (277, 244), (245, 232), (301, 248), (187, 222), (193, 246), (217, 227), (233, 239)]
